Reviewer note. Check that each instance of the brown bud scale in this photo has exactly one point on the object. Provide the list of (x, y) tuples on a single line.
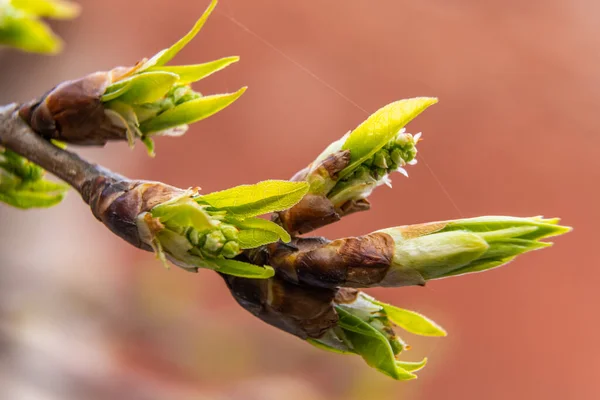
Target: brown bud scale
[(361, 261), (73, 112), (306, 312), (117, 203)]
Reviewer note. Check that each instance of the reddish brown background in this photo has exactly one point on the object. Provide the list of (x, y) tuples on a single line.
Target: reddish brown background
[(83, 315)]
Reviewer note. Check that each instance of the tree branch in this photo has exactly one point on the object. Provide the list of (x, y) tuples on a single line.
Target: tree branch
[(17, 136)]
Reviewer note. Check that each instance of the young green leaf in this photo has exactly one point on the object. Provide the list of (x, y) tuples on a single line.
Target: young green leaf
[(190, 111), (142, 88), (380, 128), (412, 366), (166, 55), (539, 227), (183, 212), (251, 238), (25, 199), (265, 225), (193, 73), (251, 200), (371, 345), (28, 34), (411, 321), (241, 269), (57, 9)]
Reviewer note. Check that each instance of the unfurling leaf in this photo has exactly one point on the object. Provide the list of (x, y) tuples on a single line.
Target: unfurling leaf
[(22, 183), (411, 321), (192, 73), (190, 111), (241, 269), (167, 55), (20, 26), (371, 345), (251, 200), (380, 128), (143, 88), (255, 232), (57, 9)]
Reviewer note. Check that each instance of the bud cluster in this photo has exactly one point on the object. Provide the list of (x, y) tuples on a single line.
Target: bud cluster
[(374, 171), (366, 328), (221, 241), (129, 103), (209, 231), (22, 183), (345, 174)]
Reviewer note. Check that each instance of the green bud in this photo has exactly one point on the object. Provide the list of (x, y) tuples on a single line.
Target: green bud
[(379, 160), (214, 241), (403, 140), (379, 173), (194, 236), (396, 157), (447, 248), (162, 100), (229, 231), (230, 249), (440, 252)]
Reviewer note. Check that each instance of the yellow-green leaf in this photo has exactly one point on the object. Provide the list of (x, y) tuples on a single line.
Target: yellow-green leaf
[(58, 9), (251, 200), (411, 321), (241, 269), (190, 111), (28, 34), (193, 73), (142, 88), (371, 345), (31, 199), (182, 213), (166, 55), (380, 128)]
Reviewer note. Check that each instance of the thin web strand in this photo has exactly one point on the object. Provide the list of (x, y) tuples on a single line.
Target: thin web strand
[(333, 89)]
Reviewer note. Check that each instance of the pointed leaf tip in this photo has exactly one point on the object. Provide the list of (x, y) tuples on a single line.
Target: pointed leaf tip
[(193, 73), (172, 51)]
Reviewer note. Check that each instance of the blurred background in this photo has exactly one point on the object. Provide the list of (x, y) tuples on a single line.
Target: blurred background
[(83, 315)]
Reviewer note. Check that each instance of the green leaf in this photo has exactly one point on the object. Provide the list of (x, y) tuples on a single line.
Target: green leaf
[(57, 9), (166, 55), (44, 186), (256, 232), (411, 321), (190, 111), (252, 238), (31, 199), (412, 366), (481, 265), (533, 228), (28, 34), (193, 73), (183, 212), (149, 143), (142, 88), (252, 200), (265, 225), (241, 269), (371, 345), (380, 128)]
